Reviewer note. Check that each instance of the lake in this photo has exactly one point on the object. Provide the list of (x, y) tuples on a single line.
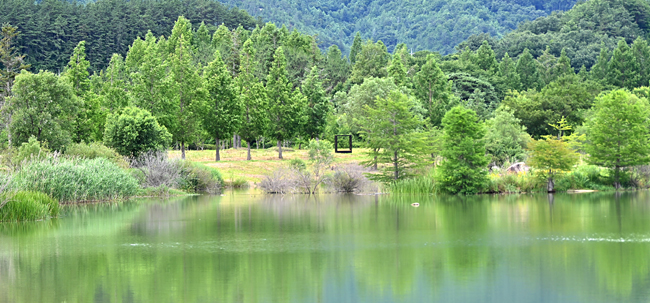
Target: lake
[(244, 247)]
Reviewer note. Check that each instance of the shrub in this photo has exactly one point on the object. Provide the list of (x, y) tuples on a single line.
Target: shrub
[(31, 150), (154, 169), (95, 150), (73, 180), (134, 131), (348, 179), (196, 177), (28, 206), (280, 181)]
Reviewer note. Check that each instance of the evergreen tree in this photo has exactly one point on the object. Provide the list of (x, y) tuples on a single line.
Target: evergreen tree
[(203, 51), (254, 100), (433, 89), (285, 108), (527, 70), (13, 63), (371, 61), (485, 58), (397, 71), (135, 55), (600, 70), (641, 52), (223, 111), (318, 108), (336, 70), (563, 66), (546, 64), (623, 70), (618, 132), (186, 85), (391, 126), (356, 48), (507, 70), (464, 168), (78, 75), (222, 41)]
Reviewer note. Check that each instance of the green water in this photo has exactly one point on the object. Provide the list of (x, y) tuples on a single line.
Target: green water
[(247, 248)]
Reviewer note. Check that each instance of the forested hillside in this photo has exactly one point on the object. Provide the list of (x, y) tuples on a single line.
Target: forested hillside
[(50, 29), (436, 25)]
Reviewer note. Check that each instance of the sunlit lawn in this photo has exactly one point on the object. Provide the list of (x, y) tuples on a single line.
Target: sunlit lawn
[(233, 164)]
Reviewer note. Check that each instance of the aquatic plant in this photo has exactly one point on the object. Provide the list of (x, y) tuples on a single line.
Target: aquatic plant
[(27, 206)]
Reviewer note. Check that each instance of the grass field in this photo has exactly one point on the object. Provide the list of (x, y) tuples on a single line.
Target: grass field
[(233, 164)]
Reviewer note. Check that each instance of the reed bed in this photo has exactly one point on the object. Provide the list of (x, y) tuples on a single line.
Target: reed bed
[(27, 206), (76, 180)]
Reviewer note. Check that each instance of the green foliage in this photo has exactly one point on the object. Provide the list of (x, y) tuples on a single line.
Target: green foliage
[(27, 206), (318, 108), (391, 128), (618, 132), (433, 89), (196, 178), (505, 139), (52, 29), (95, 150), (28, 151), (252, 93), (464, 168), (43, 106), (75, 180), (133, 131), (371, 61), (527, 70), (425, 184), (551, 156)]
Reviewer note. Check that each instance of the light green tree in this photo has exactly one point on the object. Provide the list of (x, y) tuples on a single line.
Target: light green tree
[(286, 105), (485, 58), (254, 100), (392, 126), (43, 106), (464, 168), (318, 107), (222, 115), (551, 156), (433, 89), (397, 71), (371, 61), (132, 131), (77, 74), (185, 87), (506, 139), (618, 133)]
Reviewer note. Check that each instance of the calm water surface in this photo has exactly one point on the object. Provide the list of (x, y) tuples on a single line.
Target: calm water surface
[(253, 248)]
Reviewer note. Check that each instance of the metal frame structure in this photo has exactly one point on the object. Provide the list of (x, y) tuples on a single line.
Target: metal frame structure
[(336, 144)]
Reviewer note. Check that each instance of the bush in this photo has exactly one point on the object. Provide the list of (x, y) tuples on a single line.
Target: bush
[(154, 169), (95, 150), (348, 179), (31, 150), (134, 131), (74, 180), (196, 178), (28, 206), (280, 181)]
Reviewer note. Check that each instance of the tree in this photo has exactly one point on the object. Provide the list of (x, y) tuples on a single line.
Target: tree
[(618, 132), (320, 158), (286, 104), (318, 108), (336, 70), (13, 64), (623, 70), (371, 61), (507, 70), (186, 87), (77, 74), (551, 156), (397, 71), (392, 126), (203, 51), (485, 58), (641, 53), (356, 48), (43, 106), (563, 66), (223, 113), (132, 131), (254, 100), (506, 139), (464, 168), (433, 89), (527, 70), (600, 70)]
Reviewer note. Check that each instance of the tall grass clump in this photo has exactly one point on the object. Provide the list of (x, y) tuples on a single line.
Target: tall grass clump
[(418, 185), (76, 180), (27, 206)]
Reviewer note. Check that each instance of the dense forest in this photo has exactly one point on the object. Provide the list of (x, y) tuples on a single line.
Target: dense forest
[(423, 25), (50, 29), (245, 87)]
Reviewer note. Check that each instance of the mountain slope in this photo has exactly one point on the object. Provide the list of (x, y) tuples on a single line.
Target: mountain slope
[(436, 25)]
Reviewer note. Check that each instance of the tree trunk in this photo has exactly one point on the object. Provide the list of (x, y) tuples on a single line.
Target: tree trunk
[(395, 165), (183, 150), (374, 165), (617, 183), (257, 143), (279, 149), (217, 156), (248, 148), (300, 146), (550, 186)]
